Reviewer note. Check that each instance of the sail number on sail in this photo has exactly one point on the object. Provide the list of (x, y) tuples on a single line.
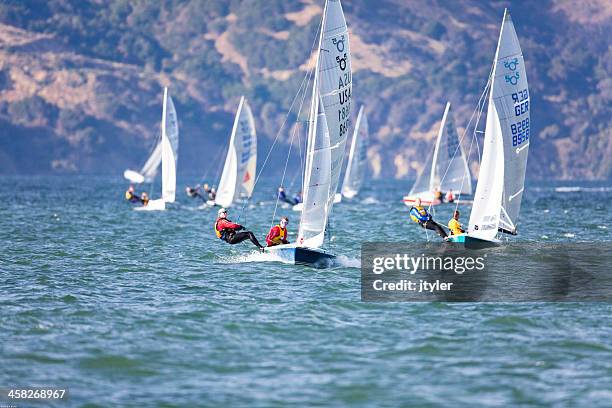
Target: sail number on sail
[(344, 86), (247, 140)]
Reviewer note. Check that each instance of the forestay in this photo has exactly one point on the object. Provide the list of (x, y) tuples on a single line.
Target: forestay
[(329, 122), (169, 148), (498, 196), (238, 177), (358, 158)]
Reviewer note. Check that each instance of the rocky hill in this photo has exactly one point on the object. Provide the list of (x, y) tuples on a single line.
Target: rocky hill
[(81, 81)]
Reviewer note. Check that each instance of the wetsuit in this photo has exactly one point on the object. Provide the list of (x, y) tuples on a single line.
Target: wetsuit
[(423, 218), (228, 232), (277, 236)]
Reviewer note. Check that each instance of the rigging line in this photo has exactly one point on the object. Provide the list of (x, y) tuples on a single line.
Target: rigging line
[(295, 129), (289, 111), (479, 110), (283, 177)]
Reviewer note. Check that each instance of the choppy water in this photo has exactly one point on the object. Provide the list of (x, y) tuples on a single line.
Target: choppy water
[(150, 309)]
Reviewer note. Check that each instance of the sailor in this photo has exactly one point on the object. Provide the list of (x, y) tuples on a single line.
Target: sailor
[(194, 192), (450, 197), (212, 194), (228, 231), (297, 198), (282, 196), (420, 215), (278, 233), (144, 199), (131, 196), (437, 195), (454, 225)]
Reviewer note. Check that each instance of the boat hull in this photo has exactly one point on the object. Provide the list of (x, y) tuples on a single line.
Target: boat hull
[(471, 242), (312, 257), (153, 205)]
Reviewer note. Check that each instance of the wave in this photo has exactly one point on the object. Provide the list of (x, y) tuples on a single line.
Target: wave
[(370, 200), (578, 189), (254, 256)]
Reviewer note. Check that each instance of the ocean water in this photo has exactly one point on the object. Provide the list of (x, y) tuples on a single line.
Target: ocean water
[(136, 309)]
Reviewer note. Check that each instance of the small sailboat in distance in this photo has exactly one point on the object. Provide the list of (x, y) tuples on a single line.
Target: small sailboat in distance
[(238, 177), (501, 181), (446, 168), (169, 156), (328, 124), (357, 159)]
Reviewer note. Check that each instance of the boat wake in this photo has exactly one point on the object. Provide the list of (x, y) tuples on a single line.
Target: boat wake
[(345, 261), (254, 256)]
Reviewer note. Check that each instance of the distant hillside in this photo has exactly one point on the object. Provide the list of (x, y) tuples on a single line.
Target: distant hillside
[(81, 81)]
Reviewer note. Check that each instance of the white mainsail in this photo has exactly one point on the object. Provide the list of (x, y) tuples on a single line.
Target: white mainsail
[(446, 167), (238, 177), (169, 148), (358, 159), (329, 122), (497, 200)]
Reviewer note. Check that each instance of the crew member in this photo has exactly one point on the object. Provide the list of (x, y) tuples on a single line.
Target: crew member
[(228, 231), (454, 225), (419, 214), (131, 196), (194, 192), (144, 198), (297, 198), (450, 197), (282, 196), (278, 233), (437, 195)]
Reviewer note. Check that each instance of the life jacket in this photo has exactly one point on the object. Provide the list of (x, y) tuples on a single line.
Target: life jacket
[(455, 227), (145, 201), (221, 233), (282, 236), (450, 197), (438, 195), (421, 214), (129, 195)]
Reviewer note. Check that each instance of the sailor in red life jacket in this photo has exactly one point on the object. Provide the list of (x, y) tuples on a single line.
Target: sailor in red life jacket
[(228, 231), (278, 233)]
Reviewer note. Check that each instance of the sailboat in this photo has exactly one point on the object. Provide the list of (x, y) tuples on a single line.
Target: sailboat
[(328, 124), (446, 167), (357, 160), (501, 182), (169, 155), (238, 177)]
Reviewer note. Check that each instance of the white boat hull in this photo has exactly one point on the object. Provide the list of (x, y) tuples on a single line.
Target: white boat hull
[(153, 205), (297, 255)]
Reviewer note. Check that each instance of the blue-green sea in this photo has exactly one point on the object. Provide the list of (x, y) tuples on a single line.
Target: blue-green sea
[(150, 309)]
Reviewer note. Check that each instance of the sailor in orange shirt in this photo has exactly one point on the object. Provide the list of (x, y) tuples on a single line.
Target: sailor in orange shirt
[(278, 233)]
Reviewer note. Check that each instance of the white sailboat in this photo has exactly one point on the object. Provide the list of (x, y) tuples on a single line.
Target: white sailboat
[(329, 120), (446, 167), (501, 181), (168, 155), (238, 177), (357, 160)]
